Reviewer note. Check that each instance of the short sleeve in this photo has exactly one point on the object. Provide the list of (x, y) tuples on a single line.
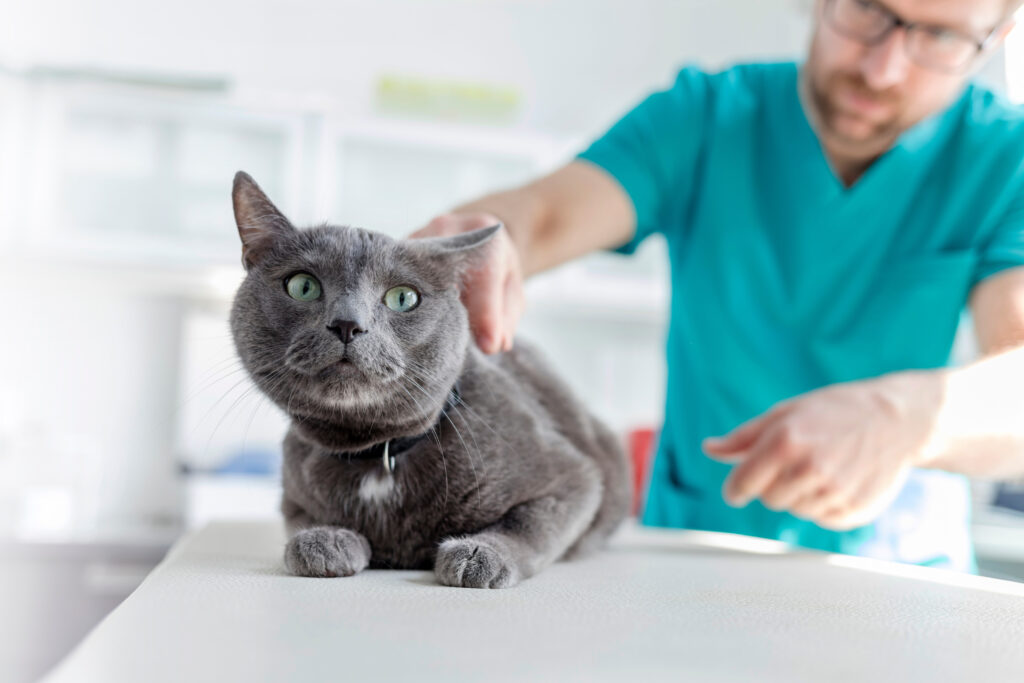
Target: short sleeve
[(1005, 246), (653, 152)]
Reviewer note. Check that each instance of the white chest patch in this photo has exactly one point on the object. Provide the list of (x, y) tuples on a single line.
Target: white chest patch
[(376, 488)]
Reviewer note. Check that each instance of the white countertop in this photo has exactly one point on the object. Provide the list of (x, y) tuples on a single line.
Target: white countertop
[(657, 605)]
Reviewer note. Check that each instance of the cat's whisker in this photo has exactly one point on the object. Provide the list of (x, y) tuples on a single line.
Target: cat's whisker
[(216, 427), (270, 376), (178, 409), (288, 401), (437, 439), (459, 401), (423, 374), (458, 433), (278, 380), (204, 385), (224, 363), (245, 378)]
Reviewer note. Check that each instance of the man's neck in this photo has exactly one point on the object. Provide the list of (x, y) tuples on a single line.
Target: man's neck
[(848, 168)]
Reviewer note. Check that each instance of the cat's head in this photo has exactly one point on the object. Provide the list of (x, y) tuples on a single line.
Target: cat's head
[(339, 325)]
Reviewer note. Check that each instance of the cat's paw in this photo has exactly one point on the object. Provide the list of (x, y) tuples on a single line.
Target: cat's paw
[(473, 563), (326, 551)]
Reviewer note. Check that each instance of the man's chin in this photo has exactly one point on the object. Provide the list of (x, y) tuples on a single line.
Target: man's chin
[(853, 127), (857, 137)]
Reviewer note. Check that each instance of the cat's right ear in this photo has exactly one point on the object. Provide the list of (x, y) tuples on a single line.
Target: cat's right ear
[(259, 222)]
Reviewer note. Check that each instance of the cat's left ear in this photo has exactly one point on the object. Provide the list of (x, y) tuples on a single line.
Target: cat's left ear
[(458, 251), (259, 222)]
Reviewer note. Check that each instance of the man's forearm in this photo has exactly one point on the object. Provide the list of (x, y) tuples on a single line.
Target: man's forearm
[(979, 424), (573, 211)]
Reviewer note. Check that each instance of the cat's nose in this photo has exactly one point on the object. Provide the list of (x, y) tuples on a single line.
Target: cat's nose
[(346, 330)]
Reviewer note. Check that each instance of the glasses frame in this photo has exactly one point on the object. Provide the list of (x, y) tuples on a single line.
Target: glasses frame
[(897, 22)]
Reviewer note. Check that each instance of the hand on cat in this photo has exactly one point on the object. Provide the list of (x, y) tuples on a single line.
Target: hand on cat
[(836, 456), (493, 291)]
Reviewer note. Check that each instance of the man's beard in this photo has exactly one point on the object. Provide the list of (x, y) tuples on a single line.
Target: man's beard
[(879, 136)]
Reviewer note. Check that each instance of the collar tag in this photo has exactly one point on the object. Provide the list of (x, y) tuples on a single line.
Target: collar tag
[(389, 460)]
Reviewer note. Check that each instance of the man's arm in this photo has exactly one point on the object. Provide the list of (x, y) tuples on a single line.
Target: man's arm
[(634, 180), (979, 429), (575, 210)]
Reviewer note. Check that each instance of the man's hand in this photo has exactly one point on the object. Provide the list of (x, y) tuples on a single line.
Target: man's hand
[(836, 456), (493, 291)]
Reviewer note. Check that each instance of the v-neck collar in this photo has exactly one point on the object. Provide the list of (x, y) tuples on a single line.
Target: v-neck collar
[(897, 160)]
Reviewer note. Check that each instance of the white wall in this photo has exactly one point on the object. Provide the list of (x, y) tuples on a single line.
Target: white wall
[(577, 61)]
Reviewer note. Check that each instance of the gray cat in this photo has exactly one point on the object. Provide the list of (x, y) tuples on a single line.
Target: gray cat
[(408, 447)]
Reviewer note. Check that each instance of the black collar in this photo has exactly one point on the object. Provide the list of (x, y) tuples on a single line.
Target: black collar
[(397, 447)]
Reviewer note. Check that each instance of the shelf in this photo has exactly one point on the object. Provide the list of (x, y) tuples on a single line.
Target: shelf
[(476, 138)]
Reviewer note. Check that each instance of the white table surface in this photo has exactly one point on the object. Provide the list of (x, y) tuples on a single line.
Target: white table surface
[(657, 605)]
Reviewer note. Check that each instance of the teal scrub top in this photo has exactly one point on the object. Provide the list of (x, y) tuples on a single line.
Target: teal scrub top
[(784, 280)]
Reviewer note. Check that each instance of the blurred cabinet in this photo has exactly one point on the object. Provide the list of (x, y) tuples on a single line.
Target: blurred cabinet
[(125, 172), (96, 172), (125, 175), (393, 176)]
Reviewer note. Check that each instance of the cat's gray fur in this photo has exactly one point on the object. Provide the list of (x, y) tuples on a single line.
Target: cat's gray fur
[(514, 477)]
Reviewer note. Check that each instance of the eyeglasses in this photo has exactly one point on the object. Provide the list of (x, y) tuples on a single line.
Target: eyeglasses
[(933, 47)]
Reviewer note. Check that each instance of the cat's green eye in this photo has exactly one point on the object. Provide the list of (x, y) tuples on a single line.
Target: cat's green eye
[(302, 287), (401, 298)]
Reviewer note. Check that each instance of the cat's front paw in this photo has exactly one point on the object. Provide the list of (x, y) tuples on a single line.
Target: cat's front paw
[(474, 563), (326, 551)]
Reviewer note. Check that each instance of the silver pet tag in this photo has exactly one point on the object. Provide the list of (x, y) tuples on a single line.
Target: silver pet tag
[(389, 460)]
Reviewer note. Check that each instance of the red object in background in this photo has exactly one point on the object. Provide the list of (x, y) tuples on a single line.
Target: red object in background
[(640, 443)]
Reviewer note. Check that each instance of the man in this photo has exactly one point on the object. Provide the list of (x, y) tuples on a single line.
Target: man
[(826, 224)]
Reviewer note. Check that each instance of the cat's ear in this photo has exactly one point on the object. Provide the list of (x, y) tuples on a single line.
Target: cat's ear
[(259, 222), (457, 251)]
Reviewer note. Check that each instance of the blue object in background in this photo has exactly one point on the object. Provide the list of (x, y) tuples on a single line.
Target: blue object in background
[(1009, 496), (254, 461)]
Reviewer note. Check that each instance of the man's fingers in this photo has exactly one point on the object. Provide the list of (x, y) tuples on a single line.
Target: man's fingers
[(445, 224), (512, 301), (792, 484), (740, 438), (484, 291), (840, 519), (823, 500), (866, 503), (483, 300), (759, 468), (491, 292), (453, 224)]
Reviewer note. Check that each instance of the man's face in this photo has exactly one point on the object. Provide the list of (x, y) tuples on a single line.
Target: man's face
[(863, 96)]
